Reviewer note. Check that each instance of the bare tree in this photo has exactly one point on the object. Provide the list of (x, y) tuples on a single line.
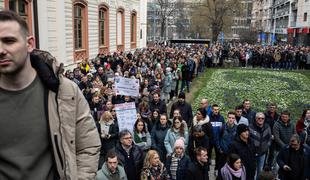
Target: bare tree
[(166, 10), (214, 15)]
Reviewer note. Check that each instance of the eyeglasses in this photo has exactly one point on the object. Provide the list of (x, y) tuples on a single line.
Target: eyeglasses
[(126, 138), (260, 118)]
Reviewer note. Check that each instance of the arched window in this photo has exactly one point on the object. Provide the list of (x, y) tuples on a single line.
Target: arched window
[(133, 30), (80, 30), (103, 29), (120, 29), (23, 8)]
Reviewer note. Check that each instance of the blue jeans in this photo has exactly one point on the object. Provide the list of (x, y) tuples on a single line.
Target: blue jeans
[(260, 162)]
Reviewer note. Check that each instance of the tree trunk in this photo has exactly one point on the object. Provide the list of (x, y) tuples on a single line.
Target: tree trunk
[(215, 33), (162, 29)]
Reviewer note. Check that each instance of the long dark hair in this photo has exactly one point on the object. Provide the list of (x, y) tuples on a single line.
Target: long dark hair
[(182, 128), (303, 116), (136, 124)]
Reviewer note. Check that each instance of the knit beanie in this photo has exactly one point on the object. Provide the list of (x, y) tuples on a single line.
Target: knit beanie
[(179, 143), (242, 128)]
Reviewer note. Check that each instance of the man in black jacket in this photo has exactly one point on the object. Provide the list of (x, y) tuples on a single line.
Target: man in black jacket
[(156, 103), (198, 170), (129, 155), (292, 160), (244, 147), (185, 109)]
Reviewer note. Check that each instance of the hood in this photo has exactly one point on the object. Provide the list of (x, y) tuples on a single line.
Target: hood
[(106, 171), (205, 121), (47, 69)]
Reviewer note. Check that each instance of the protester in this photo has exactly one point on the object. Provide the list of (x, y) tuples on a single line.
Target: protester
[(129, 155), (153, 168), (217, 121), (158, 135), (178, 162), (228, 133), (185, 109), (303, 122), (108, 131), (244, 147), (248, 112), (201, 132), (47, 130), (199, 168), (111, 169), (239, 118), (293, 160), (283, 130), (233, 169), (260, 135), (271, 116), (176, 131), (141, 136)]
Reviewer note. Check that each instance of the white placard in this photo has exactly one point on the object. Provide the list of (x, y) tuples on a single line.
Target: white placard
[(126, 114), (126, 86)]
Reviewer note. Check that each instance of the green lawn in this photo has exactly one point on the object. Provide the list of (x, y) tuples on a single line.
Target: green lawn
[(229, 87)]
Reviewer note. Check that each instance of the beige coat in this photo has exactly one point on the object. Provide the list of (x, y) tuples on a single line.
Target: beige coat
[(73, 133)]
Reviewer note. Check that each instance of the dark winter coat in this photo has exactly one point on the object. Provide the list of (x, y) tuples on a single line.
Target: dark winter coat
[(282, 133), (246, 151), (158, 135), (271, 120), (160, 105), (201, 134), (183, 165), (217, 122), (298, 161), (132, 163), (250, 115), (196, 171), (108, 144), (185, 110), (261, 137), (227, 136)]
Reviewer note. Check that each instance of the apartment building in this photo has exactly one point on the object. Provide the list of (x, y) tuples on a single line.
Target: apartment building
[(299, 28), (242, 22), (261, 21), (73, 30)]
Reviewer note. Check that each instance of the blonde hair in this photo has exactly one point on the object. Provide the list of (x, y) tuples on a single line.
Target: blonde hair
[(106, 117), (148, 157)]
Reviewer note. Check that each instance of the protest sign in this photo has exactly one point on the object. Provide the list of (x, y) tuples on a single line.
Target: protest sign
[(126, 86), (126, 114)]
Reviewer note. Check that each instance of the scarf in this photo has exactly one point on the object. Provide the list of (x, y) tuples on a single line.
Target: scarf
[(174, 166), (307, 122), (227, 172)]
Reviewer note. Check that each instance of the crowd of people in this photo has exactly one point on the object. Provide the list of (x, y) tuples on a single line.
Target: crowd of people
[(52, 130), (176, 145), (257, 56)]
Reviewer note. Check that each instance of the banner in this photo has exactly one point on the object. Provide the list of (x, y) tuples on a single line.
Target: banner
[(126, 86), (126, 114)]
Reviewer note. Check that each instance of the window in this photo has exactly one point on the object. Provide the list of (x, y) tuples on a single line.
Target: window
[(305, 17), (80, 30), (21, 7), (78, 27), (120, 30), (133, 30), (103, 28)]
